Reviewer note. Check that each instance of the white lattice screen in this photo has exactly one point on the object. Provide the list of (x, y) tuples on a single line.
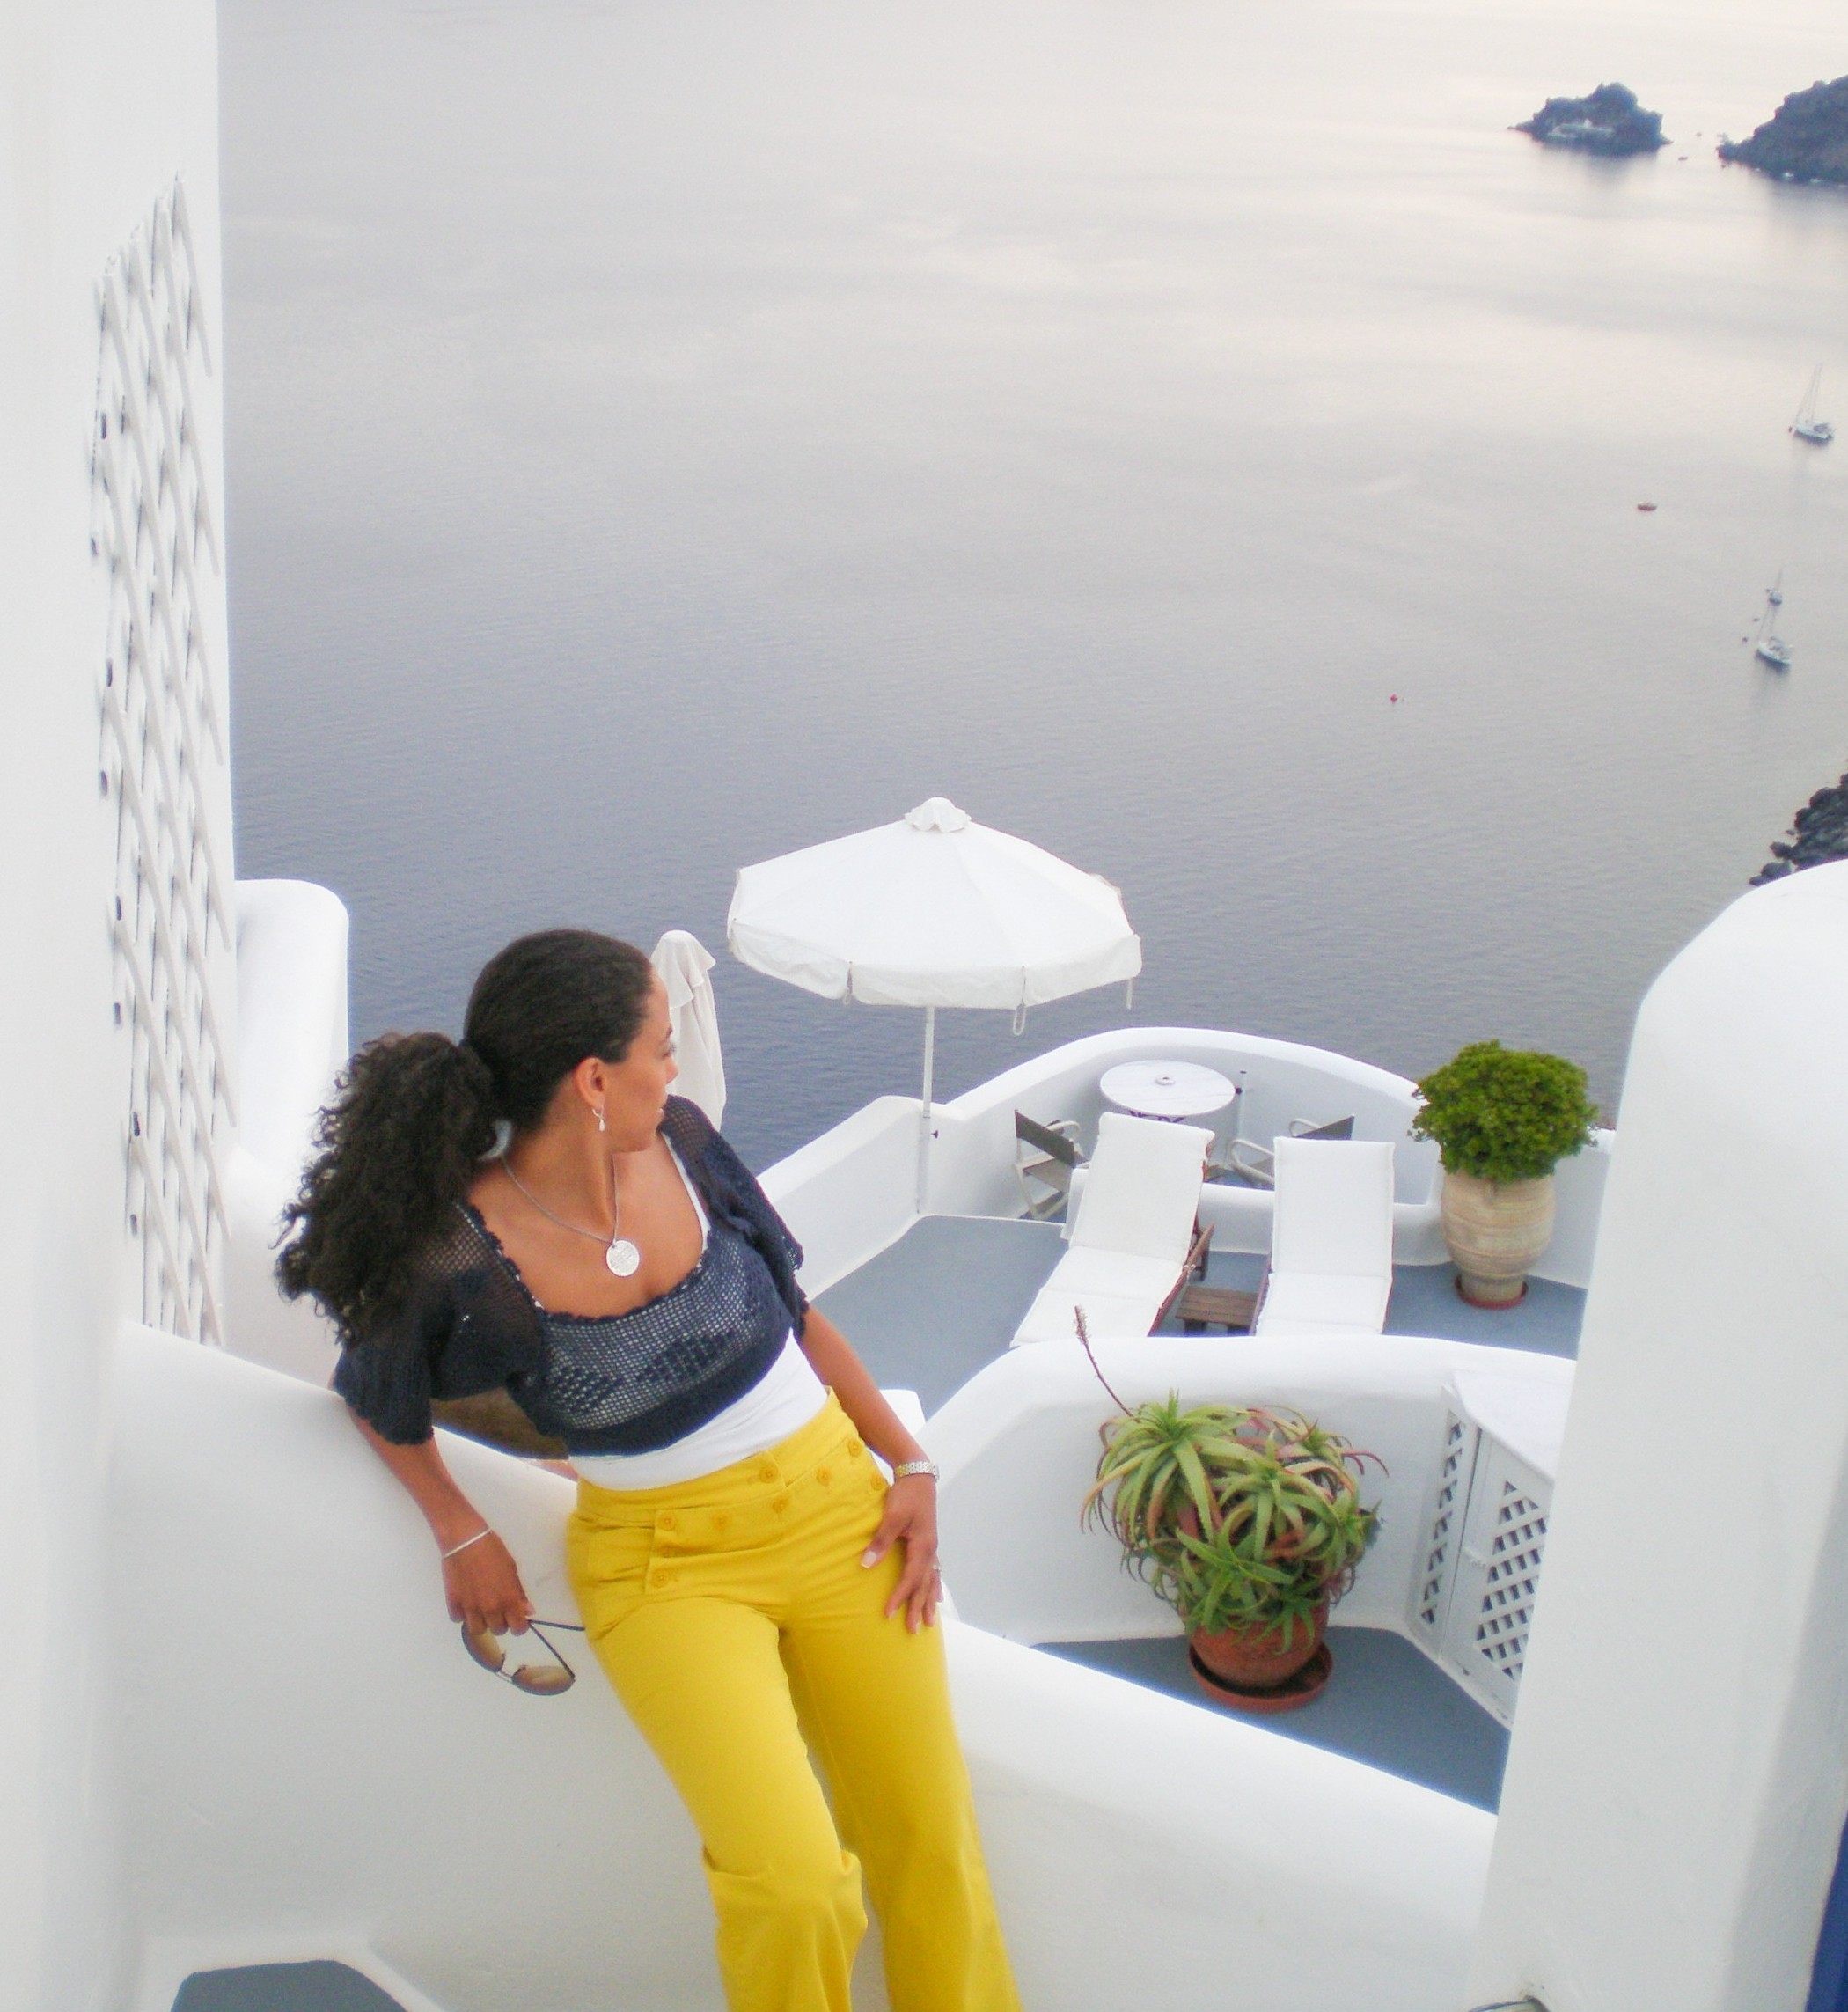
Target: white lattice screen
[(1515, 1552), (1443, 1523), (1485, 1540), (166, 765)]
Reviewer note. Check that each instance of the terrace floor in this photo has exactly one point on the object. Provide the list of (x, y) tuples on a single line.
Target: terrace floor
[(1386, 1704), (321, 1986)]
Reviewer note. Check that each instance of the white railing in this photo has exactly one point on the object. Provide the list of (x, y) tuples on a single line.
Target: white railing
[(852, 1192), (165, 765)]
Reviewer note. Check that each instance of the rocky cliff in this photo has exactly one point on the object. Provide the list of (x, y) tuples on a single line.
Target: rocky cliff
[(1806, 139), (1818, 835)]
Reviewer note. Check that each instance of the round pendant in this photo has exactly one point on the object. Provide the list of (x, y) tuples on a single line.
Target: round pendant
[(623, 1258)]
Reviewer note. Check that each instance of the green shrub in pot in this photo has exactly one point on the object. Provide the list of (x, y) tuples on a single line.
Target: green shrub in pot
[(1503, 1118)]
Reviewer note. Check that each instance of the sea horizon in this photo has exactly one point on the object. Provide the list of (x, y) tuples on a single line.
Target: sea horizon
[(1209, 444)]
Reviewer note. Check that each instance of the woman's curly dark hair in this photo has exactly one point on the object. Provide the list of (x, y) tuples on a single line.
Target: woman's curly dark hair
[(416, 1113)]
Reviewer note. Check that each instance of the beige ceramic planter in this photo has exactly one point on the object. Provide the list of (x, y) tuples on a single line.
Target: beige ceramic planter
[(1496, 1231)]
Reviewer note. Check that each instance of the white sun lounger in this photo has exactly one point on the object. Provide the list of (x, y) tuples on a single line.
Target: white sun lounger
[(1132, 1233), (1332, 1240)]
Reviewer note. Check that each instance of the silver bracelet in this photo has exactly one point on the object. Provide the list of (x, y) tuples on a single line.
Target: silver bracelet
[(905, 1469), (485, 1531)]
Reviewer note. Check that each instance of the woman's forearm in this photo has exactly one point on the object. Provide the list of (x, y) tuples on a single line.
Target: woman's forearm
[(837, 1365), (430, 1484), (480, 1581)]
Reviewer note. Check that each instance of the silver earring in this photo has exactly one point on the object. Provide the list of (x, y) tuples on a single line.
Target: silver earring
[(600, 1126)]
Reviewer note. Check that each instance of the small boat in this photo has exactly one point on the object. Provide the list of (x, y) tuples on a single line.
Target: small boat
[(1806, 425), (1767, 647)]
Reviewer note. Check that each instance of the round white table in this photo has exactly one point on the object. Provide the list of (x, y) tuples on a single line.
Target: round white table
[(1170, 1090)]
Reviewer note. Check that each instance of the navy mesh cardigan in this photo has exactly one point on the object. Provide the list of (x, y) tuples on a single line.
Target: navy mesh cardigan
[(469, 1324)]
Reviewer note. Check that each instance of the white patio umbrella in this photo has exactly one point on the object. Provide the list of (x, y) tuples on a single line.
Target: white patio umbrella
[(684, 965), (934, 910)]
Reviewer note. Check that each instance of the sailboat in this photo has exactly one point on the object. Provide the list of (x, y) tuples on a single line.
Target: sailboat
[(1767, 647), (1806, 425)]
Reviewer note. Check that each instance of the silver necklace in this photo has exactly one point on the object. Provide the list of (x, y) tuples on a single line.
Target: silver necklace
[(620, 1255)]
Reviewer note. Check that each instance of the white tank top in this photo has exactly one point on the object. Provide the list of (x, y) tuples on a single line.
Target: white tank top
[(785, 1398)]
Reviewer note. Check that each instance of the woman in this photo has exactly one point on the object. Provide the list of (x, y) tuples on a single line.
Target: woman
[(531, 1210)]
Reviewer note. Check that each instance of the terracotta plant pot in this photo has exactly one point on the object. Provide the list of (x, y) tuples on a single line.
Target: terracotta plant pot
[(1496, 1231), (1303, 1688), (1255, 1659)]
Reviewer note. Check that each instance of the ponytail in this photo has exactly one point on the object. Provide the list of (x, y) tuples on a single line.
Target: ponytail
[(416, 1113), (399, 1146)]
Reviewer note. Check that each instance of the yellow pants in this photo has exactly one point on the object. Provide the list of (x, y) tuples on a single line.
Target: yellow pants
[(740, 1629)]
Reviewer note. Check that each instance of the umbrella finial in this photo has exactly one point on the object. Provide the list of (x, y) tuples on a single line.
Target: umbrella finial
[(937, 814)]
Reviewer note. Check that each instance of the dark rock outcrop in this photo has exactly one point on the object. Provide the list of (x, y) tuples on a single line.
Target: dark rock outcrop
[(1609, 121), (1806, 139), (1818, 836)]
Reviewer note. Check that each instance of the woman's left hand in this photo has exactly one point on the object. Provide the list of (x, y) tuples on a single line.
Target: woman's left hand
[(911, 1519)]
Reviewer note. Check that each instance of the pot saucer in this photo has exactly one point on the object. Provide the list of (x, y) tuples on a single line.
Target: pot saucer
[(1302, 1689), (1491, 1305)]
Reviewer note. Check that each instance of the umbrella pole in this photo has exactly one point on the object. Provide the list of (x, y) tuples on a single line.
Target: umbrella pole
[(930, 1055)]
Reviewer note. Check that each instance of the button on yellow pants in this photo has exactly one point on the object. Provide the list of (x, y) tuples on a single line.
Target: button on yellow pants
[(740, 1629)]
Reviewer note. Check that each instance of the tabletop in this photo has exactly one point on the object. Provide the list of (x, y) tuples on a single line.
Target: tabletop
[(1167, 1089)]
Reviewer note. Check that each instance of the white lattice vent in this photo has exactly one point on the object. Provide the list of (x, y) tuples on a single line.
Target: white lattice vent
[(1472, 1604), (1514, 1578), (1447, 1510), (165, 765)]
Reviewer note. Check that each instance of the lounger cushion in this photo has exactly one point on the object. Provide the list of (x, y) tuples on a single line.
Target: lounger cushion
[(1107, 1316), (1324, 1302), (1119, 1295), (1333, 1212), (1114, 1274), (1142, 1189)]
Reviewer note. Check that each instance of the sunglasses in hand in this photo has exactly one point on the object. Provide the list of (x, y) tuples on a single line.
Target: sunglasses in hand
[(538, 1678)]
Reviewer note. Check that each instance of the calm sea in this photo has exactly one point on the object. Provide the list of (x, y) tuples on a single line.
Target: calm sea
[(666, 433)]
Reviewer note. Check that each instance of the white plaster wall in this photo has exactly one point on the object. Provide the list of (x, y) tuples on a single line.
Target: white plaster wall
[(1579, 1193), (853, 1191), (101, 104), (292, 1033), (318, 1768), (1149, 1854), (1679, 1771), (315, 1764), (292, 1040), (1018, 1446)]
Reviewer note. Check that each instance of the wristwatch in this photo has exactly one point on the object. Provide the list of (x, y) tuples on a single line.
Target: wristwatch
[(905, 1469)]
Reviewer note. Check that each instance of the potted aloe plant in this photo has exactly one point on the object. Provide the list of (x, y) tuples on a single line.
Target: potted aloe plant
[(1503, 1118), (1249, 1524)]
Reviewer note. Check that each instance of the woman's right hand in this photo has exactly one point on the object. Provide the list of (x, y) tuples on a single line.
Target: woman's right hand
[(482, 1585), (480, 1581)]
